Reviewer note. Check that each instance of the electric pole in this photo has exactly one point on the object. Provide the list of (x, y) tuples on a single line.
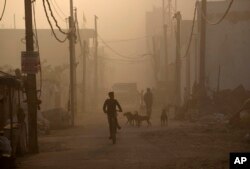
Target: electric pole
[(202, 73), (196, 58), (31, 91), (170, 15), (218, 81), (84, 75), (166, 51), (154, 60), (72, 37), (188, 86), (14, 21), (177, 16), (83, 53), (96, 61), (203, 46), (165, 45)]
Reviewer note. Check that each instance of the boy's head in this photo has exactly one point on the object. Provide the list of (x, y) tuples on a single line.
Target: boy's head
[(111, 95)]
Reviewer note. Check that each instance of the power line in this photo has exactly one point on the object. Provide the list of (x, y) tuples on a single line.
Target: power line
[(119, 54), (125, 40), (60, 9), (221, 19), (52, 15), (52, 29), (34, 17), (63, 19), (4, 7), (121, 60)]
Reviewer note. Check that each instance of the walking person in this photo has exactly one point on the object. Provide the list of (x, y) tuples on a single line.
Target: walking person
[(148, 99)]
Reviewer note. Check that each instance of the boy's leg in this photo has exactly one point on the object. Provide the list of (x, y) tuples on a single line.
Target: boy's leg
[(109, 122)]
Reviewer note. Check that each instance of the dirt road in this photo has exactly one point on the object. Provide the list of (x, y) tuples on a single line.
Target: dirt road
[(179, 146)]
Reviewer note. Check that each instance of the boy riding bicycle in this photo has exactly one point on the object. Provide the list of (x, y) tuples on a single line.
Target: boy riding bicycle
[(109, 107)]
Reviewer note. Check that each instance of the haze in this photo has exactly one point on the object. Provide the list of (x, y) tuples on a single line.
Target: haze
[(117, 18)]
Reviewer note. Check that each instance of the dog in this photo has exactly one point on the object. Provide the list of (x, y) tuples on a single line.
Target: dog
[(139, 119), (164, 118), (130, 118)]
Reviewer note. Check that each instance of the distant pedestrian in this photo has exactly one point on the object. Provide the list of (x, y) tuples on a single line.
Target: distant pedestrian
[(148, 99), (142, 98)]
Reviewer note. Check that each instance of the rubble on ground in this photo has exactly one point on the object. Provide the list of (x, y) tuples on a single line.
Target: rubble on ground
[(220, 109)]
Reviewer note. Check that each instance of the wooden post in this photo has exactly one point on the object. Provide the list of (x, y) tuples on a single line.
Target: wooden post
[(31, 82), (203, 46), (178, 59)]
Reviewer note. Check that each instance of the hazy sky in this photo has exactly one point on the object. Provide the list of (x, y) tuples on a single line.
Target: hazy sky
[(117, 18)]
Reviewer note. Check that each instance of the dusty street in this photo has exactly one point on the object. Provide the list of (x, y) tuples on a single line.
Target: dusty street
[(179, 146)]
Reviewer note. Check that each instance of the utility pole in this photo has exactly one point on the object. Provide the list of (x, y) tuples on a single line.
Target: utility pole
[(14, 21), (83, 47), (31, 81), (218, 81), (177, 16), (203, 46), (170, 15), (155, 66), (175, 6), (188, 86), (72, 36), (84, 76), (96, 62), (165, 44), (196, 58), (166, 51)]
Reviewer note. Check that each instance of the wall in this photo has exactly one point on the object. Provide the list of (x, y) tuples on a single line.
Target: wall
[(228, 45)]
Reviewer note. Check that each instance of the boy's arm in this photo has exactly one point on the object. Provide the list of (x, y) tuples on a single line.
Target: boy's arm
[(119, 106)]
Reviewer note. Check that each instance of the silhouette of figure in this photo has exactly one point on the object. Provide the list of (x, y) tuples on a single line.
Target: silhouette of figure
[(5, 152), (109, 107), (148, 99)]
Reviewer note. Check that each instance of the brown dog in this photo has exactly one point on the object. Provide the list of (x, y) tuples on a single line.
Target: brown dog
[(164, 118), (130, 118), (139, 119)]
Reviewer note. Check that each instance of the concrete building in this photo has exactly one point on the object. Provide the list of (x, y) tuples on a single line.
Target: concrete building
[(154, 28), (227, 44), (227, 47)]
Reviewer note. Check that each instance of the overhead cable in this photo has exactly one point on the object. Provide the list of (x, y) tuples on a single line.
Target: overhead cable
[(60, 9), (119, 54), (125, 40), (121, 60), (56, 23), (52, 29), (63, 19), (221, 19), (34, 17), (4, 7)]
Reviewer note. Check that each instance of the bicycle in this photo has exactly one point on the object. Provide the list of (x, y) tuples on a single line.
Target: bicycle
[(113, 128)]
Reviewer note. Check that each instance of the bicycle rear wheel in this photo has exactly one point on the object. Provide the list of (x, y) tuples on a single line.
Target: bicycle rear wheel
[(113, 135)]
